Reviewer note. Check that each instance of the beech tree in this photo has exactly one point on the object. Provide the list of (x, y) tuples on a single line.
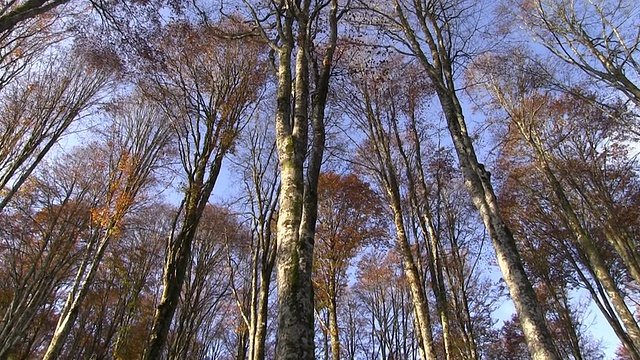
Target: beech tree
[(350, 215), (510, 344), (600, 38), (303, 37), (438, 35), (378, 112), (417, 178), (43, 231), (15, 13), (93, 264), (38, 108), (389, 324), (208, 94), (557, 156), (257, 162), (127, 159), (138, 257), (116, 315), (206, 302)]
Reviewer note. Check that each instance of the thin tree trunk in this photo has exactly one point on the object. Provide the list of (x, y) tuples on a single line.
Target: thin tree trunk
[(593, 255), (617, 236), (333, 325), (176, 263), (35, 287), (599, 296), (75, 298), (257, 342), (589, 247), (178, 255), (386, 171), (418, 192), (258, 322)]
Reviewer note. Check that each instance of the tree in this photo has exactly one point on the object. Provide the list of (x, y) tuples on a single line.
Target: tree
[(118, 308), (386, 308), (469, 293), (138, 257), (598, 37), (257, 160), (417, 176), (378, 112), (206, 301), (39, 106), (127, 158), (18, 12), (438, 35), (292, 26), (350, 216), (208, 94), (510, 343), (544, 124), (44, 229)]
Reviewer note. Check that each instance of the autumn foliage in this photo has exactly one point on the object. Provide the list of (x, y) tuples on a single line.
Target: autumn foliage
[(339, 179)]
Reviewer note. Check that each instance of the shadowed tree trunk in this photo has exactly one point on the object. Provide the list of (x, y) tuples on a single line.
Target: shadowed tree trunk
[(209, 93)]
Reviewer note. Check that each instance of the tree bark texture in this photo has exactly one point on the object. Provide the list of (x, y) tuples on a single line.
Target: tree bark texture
[(295, 119)]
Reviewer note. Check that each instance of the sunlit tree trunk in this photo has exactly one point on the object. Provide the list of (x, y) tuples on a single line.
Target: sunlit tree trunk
[(428, 42), (477, 180), (523, 106), (295, 119), (295, 338)]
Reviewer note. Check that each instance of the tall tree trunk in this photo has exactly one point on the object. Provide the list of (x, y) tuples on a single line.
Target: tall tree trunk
[(298, 194), (478, 182), (603, 303), (260, 313), (333, 320), (387, 173), (178, 254), (262, 184), (295, 338), (434, 51), (418, 192), (524, 123), (258, 341), (259, 321)]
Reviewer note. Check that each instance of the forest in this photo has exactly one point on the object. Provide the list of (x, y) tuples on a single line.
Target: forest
[(320, 179)]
